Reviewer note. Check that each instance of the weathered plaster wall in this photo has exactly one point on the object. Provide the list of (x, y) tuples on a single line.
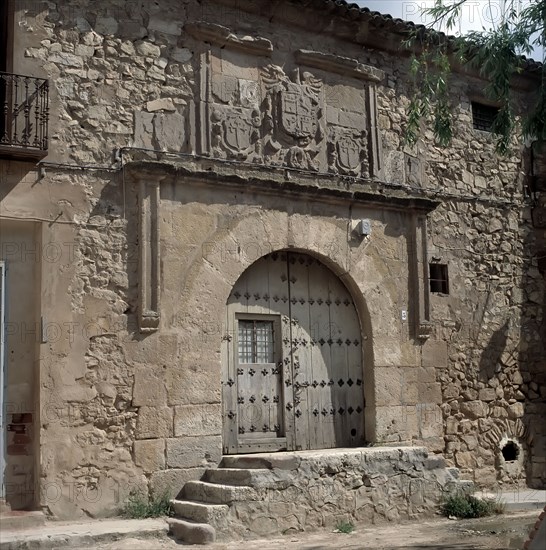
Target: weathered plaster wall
[(83, 415), (20, 246), (124, 409)]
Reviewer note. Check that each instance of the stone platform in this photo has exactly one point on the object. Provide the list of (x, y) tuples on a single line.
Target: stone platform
[(272, 494), (517, 499), (80, 534)]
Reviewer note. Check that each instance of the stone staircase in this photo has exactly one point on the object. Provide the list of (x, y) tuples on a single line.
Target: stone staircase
[(203, 511), (269, 494)]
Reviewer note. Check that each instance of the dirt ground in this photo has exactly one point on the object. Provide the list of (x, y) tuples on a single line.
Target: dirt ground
[(506, 532)]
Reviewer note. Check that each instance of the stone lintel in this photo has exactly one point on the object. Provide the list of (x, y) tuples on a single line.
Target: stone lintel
[(310, 187), (339, 64), (222, 36)]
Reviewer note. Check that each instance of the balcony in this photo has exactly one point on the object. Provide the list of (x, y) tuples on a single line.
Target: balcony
[(24, 113)]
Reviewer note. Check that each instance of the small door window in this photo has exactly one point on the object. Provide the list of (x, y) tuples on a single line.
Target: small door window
[(256, 341)]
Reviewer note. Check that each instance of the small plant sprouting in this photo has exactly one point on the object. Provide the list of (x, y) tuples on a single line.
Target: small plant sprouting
[(140, 506), (346, 527), (463, 506)]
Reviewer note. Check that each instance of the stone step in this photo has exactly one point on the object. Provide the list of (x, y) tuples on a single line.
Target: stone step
[(85, 533), (15, 519), (4, 506), (214, 493), (242, 477), (191, 532), (266, 461), (214, 514)]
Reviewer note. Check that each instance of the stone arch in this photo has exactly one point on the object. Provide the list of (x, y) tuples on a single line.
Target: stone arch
[(510, 431), (308, 329), (210, 274)]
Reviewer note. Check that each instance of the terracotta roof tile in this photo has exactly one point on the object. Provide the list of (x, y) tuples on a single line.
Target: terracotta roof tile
[(388, 22)]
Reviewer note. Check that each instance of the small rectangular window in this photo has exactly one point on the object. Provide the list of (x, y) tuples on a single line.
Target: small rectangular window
[(439, 280), (256, 342), (483, 116)]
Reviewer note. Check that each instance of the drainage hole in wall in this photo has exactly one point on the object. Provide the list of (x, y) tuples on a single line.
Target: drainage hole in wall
[(353, 432), (510, 452)]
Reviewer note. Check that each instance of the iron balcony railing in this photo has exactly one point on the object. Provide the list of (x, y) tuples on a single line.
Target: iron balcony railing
[(24, 116)]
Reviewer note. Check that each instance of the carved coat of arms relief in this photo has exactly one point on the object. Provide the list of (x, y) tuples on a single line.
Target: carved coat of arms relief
[(293, 125), (281, 120), (347, 152), (236, 133), (235, 118)]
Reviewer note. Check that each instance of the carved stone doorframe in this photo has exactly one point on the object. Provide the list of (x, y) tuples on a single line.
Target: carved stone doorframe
[(149, 253), (419, 276)]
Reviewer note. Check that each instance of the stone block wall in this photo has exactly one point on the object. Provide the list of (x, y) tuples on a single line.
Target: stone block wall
[(121, 409), (317, 490)]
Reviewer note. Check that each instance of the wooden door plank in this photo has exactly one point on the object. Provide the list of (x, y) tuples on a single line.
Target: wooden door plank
[(267, 298), (279, 303), (340, 322), (321, 357), (301, 346), (257, 287), (229, 387), (350, 396), (316, 329)]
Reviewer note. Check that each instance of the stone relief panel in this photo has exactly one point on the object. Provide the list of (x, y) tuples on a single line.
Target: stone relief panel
[(236, 133), (256, 111), (293, 118), (348, 148)]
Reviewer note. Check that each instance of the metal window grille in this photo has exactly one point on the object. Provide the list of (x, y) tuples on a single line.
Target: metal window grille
[(256, 342), (483, 116), (24, 111), (439, 279)]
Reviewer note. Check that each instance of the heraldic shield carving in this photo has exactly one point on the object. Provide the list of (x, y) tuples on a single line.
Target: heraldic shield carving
[(347, 152), (293, 118), (288, 121), (238, 131)]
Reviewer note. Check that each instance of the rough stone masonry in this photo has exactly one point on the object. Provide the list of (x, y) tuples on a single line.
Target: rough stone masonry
[(190, 139)]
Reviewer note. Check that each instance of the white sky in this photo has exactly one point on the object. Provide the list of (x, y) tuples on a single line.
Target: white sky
[(476, 14)]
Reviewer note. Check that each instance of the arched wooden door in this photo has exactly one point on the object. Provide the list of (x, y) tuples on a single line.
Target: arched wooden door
[(292, 359)]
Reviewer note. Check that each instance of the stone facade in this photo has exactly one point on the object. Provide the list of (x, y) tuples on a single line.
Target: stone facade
[(189, 139)]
